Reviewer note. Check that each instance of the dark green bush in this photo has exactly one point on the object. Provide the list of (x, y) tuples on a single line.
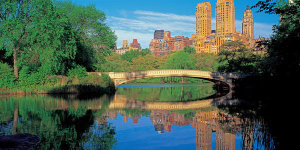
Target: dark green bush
[(6, 76)]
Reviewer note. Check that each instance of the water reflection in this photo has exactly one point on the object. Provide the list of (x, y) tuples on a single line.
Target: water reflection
[(107, 122), (167, 92)]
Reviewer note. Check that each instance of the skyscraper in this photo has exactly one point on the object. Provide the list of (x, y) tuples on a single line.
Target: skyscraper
[(208, 41), (203, 20), (225, 17), (203, 26), (248, 24)]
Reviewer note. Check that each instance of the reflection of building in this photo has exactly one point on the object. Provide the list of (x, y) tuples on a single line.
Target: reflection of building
[(164, 46), (205, 122), (209, 41)]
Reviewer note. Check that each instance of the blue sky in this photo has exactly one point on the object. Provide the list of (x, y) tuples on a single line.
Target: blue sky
[(139, 18)]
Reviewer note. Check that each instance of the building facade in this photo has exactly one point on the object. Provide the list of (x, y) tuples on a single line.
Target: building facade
[(162, 47)]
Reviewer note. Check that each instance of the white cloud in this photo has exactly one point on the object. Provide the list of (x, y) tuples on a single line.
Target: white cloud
[(142, 25), (165, 16)]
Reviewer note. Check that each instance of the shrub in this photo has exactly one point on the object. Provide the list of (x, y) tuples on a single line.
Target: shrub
[(6, 76), (77, 73), (29, 76), (107, 80)]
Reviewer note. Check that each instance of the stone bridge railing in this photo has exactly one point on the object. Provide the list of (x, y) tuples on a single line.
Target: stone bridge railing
[(123, 77)]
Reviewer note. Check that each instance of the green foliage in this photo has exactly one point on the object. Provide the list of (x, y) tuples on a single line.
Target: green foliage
[(30, 77), (6, 76), (283, 59), (207, 62), (180, 60), (235, 57), (189, 50), (129, 55), (93, 37), (145, 52), (78, 72), (114, 63), (107, 80), (147, 62), (47, 38)]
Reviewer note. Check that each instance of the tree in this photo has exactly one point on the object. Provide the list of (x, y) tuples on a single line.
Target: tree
[(283, 60), (235, 57), (114, 63), (15, 17), (53, 37), (206, 62), (180, 60), (145, 51), (129, 55), (147, 62), (93, 36), (33, 30), (189, 50)]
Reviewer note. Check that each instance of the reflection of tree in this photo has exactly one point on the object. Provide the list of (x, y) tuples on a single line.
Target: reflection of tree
[(100, 137), (58, 124), (167, 93)]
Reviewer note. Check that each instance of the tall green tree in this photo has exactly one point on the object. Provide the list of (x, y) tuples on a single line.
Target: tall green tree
[(283, 60), (93, 36), (15, 17), (53, 36)]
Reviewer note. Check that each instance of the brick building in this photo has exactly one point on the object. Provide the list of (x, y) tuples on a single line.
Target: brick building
[(162, 47)]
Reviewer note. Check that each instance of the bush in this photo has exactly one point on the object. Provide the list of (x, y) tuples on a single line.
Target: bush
[(29, 76), (107, 80), (6, 76), (77, 73)]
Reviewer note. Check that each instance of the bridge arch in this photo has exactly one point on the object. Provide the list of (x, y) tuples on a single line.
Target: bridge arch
[(124, 77)]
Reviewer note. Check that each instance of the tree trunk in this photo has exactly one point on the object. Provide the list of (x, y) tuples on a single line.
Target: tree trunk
[(16, 71)]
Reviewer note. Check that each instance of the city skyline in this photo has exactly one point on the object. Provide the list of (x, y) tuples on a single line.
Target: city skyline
[(138, 20)]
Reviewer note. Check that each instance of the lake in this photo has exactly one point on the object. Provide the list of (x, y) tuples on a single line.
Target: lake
[(140, 116)]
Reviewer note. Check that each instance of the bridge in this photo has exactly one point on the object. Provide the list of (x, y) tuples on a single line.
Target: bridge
[(124, 77)]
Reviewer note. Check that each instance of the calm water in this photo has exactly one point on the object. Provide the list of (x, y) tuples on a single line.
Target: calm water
[(140, 117)]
